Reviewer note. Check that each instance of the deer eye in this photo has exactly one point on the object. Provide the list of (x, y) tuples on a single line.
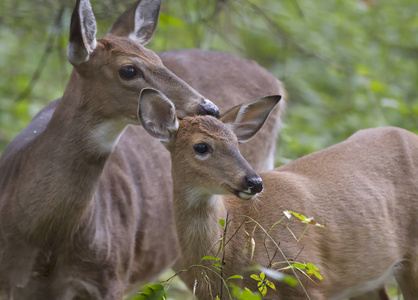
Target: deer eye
[(201, 148), (128, 72)]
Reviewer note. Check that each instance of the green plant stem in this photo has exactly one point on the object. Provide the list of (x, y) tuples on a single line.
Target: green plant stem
[(284, 256), (223, 281), (303, 233), (223, 251)]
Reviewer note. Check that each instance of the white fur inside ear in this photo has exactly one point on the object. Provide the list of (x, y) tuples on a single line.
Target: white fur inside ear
[(158, 116), (153, 129), (88, 26), (139, 23), (244, 128), (161, 131)]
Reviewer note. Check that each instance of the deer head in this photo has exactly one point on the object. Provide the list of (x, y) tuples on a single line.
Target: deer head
[(109, 73), (204, 150)]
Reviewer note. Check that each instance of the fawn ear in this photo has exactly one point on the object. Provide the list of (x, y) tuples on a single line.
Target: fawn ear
[(82, 40), (247, 119), (138, 22), (157, 115)]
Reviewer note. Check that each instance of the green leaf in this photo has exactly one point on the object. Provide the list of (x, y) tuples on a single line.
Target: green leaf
[(317, 275), (311, 266), (255, 277), (310, 269), (152, 292), (302, 218), (271, 285), (262, 276), (376, 86), (209, 258), (299, 266), (235, 277), (313, 270), (263, 290), (290, 280), (222, 222), (244, 294)]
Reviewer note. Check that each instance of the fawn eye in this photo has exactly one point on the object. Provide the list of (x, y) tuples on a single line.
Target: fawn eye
[(201, 148), (128, 72)]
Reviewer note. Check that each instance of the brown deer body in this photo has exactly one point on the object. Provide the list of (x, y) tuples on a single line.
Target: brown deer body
[(364, 189), (84, 195)]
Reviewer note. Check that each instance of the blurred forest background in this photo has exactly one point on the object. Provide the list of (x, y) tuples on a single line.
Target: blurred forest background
[(347, 65)]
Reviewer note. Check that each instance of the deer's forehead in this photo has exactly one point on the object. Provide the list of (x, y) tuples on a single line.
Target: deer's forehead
[(203, 128), (126, 48)]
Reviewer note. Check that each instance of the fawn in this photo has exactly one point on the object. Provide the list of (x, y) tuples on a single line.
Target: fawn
[(364, 189)]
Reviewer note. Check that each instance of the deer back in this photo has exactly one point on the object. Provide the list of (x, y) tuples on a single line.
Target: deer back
[(365, 191)]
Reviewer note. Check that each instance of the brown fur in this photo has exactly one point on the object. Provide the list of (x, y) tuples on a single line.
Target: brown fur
[(364, 189), (81, 217)]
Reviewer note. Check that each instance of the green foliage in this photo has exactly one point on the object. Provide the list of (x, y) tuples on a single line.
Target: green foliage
[(235, 277), (278, 276), (244, 294), (301, 218), (307, 269), (263, 283), (209, 258), (152, 292), (213, 265), (347, 65)]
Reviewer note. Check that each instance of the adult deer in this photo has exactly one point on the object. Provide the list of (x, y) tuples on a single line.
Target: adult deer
[(84, 197), (365, 189)]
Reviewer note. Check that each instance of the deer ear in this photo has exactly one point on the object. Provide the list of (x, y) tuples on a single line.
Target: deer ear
[(139, 21), (247, 119), (157, 115), (83, 30)]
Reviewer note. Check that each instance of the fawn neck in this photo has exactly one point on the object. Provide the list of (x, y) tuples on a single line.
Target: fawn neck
[(197, 217)]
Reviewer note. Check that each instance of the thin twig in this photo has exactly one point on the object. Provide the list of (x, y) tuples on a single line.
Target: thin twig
[(236, 231), (303, 233), (265, 239), (223, 253), (281, 252), (271, 260), (223, 281), (296, 257)]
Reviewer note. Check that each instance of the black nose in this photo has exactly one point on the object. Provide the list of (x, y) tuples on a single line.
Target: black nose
[(255, 184), (208, 108)]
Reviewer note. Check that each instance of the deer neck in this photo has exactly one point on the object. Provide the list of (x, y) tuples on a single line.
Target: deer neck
[(84, 123), (197, 215), (66, 163)]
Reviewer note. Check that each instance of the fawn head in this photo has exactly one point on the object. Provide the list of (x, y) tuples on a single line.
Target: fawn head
[(204, 150)]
